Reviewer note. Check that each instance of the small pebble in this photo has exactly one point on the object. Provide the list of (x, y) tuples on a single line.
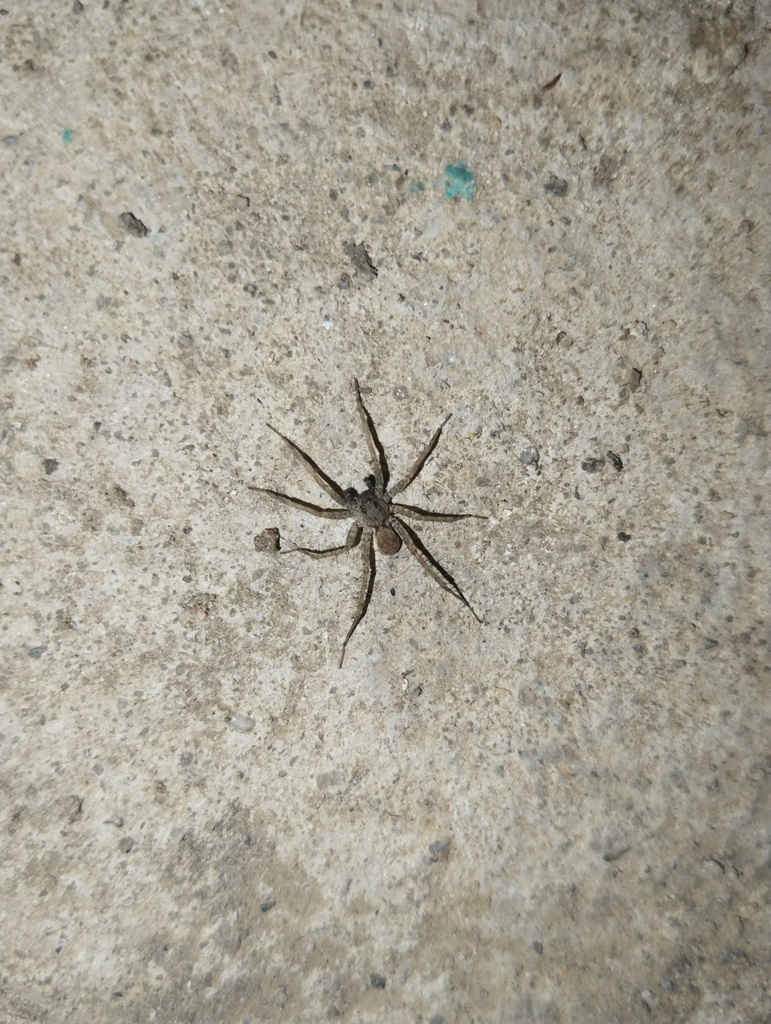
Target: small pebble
[(267, 541), (530, 456), (241, 723)]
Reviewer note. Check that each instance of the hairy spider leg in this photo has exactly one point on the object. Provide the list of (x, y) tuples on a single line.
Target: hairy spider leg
[(351, 541), (421, 460), (432, 517), (304, 506), (334, 490), (429, 564), (377, 455), (367, 583)]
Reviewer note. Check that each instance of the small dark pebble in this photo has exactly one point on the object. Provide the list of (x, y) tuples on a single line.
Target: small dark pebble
[(709, 642), (436, 1018), (530, 456), (37, 652), (73, 807), (268, 540), (616, 462), (439, 849), (267, 905), (635, 377), (556, 186), (593, 465), (731, 957), (624, 536), (126, 845), (123, 496), (538, 947), (610, 856), (551, 83), (360, 258), (50, 466), (133, 225), (377, 980)]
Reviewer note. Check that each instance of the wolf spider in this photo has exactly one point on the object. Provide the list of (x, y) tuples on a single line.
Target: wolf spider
[(375, 514)]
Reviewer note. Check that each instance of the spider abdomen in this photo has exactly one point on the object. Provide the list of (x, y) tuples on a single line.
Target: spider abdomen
[(388, 540)]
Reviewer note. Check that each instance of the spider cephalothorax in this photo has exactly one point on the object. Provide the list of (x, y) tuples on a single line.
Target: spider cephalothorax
[(375, 514)]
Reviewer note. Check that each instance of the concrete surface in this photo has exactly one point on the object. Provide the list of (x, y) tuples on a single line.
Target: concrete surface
[(214, 216)]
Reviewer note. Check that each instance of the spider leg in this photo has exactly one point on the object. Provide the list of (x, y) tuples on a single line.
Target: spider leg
[(304, 506), (367, 583), (420, 462), (376, 454), (334, 490), (429, 564), (353, 538), (433, 517)]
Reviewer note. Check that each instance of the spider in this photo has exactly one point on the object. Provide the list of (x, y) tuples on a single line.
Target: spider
[(376, 516)]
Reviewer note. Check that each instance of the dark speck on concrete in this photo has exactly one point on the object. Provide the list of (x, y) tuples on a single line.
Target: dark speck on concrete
[(612, 855), (360, 258), (50, 466), (268, 541), (439, 849), (377, 980), (122, 496), (709, 642), (556, 186), (267, 905), (126, 845), (592, 465), (615, 461), (37, 652), (624, 536), (133, 225), (530, 456)]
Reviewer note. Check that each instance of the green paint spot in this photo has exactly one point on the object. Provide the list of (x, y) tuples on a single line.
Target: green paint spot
[(67, 135), (459, 181), (416, 187)]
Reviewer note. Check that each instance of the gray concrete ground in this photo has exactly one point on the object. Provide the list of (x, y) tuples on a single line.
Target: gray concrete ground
[(214, 216)]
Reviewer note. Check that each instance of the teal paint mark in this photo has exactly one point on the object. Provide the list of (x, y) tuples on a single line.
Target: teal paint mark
[(67, 135), (459, 182), (415, 188)]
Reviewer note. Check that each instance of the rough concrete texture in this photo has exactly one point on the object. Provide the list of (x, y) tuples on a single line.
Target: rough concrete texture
[(214, 216)]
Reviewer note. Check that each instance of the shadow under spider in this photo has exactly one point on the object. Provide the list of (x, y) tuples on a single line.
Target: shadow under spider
[(376, 516)]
